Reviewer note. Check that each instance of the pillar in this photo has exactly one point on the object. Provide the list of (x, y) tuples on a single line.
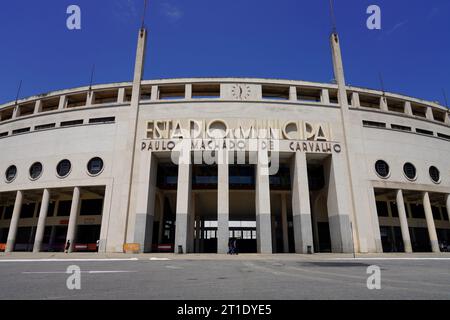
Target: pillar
[(447, 204), (430, 223), (301, 209), (284, 223), (184, 188), (145, 204), (338, 205), (263, 220), (72, 227), (41, 222), (274, 232), (403, 221), (222, 204), (191, 223), (11, 240)]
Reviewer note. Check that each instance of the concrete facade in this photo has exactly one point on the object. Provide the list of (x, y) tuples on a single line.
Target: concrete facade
[(136, 129)]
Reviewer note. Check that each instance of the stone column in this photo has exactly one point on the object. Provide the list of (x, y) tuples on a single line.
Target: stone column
[(222, 204), (262, 190), (72, 227), (430, 223), (183, 205), (274, 232), (447, 204), (284, 224), (338, 205), (14, 222), (145, 204), (301, 209), (403, 221), (41, 222), (191, 224)]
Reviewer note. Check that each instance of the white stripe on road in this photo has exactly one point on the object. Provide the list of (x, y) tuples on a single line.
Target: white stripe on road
[(158, 259), (92, 272), (417, 258), (65, 260)]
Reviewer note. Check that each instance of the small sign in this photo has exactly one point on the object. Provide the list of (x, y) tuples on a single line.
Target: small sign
[(131, 247)]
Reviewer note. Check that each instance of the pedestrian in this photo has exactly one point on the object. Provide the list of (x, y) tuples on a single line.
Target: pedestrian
[(66, 249), (235, 247), (230, 246), (97, 244)]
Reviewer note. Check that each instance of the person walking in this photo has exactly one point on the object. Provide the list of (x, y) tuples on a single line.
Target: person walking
[(230, 246), (66, 249), (235, 246)]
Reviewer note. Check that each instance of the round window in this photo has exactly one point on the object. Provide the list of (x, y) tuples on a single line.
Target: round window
[(11, 173), (63, 168), (435, 175), (35, 170), (95, 166), (382, 168), (409, 170)]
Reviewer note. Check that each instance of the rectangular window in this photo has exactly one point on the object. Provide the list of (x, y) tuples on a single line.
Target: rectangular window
[(102, 120), (109, 96), (146, 93), (205, 91), (76, 100), (374, 124), (26, 109), (423, 131), (401, 128), (382, 209), (4, 134), (275, 92), (50, 104), (64, 208), (45, 126), (395, 105), (444, 136), (71, 123), (8, 212), (27, 210), (22, 130), (333, 94), (419, 111), (92, 207), (438, 115), (6, 114), (369, 101), (172, 92), (445, 213), (417, 211), (309, 95), (436, 213), (394, 209)]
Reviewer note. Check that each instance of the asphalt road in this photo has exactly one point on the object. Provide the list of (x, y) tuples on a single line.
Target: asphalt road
[(226, 279)]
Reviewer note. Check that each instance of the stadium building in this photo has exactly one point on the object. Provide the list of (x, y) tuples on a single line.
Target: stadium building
[(185, 165)]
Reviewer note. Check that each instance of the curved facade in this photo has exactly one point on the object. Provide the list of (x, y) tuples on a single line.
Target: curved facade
[(183, 165)]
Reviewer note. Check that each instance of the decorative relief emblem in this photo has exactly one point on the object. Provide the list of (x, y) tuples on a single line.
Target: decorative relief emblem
[(241, 91)]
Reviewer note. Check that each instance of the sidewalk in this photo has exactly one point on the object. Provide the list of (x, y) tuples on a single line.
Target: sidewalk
[(206, 256)]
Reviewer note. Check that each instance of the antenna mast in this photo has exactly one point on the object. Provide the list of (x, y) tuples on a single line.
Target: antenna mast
[(143, 14), (445, 97), (18, 91), (333, 18), (92, 78)]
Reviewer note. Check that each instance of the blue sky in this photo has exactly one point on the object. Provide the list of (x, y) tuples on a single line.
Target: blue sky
[(285, 39)]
